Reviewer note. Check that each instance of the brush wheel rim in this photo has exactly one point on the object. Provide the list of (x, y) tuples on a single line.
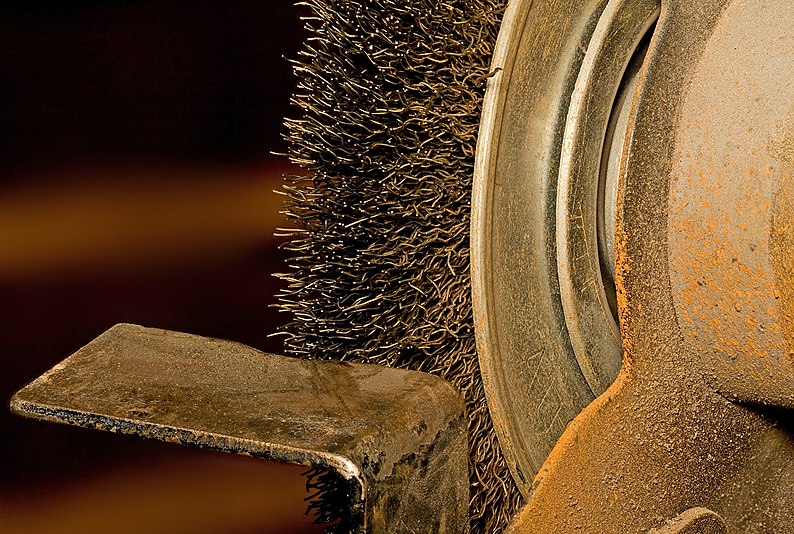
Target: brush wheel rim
[(547, 339)]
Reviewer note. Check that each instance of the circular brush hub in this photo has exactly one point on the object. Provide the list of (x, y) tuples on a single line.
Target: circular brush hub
[(546, 184), (589, 164)]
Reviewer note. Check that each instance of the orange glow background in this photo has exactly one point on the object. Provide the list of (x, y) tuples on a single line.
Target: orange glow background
[(136, 185)]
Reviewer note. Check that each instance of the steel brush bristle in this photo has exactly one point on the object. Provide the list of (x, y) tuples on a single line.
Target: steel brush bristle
[(390, 94)]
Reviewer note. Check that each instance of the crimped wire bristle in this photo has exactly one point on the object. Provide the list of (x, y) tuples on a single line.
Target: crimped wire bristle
[(390, 93)]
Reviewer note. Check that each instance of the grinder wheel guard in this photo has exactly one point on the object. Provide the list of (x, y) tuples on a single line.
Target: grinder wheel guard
[(393, 98), (547, 247)]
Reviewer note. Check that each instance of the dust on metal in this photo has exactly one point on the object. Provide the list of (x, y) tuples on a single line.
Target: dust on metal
[(669, 436), (694, 521), (730, 205), (589, 319), (531, 375)]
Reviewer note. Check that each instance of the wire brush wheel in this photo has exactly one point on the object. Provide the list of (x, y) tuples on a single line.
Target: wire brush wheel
[(390, 93), (399, 193)]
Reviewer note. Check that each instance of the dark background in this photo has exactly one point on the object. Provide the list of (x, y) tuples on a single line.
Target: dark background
[(136, 178), (158, 80)]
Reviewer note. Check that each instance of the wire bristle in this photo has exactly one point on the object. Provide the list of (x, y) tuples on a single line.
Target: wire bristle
[(327, 492), (390, 93)]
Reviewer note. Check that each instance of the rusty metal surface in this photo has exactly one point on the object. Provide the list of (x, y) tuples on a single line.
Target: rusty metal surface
[(729, 239), (682, 441), (398, 437), (668, 437)]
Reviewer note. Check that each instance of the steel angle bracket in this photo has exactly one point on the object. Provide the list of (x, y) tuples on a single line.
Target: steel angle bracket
[(398, 438)]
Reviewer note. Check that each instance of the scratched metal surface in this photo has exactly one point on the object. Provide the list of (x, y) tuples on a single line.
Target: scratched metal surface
[(397, 436)]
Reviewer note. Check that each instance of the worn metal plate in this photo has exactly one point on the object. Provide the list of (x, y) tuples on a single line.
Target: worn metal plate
[(398, 436)]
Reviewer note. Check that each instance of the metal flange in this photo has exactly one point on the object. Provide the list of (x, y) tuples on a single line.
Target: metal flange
[(543, 207)]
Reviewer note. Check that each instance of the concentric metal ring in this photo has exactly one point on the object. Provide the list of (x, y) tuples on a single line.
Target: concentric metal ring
[(591, 324), (533, 375)]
